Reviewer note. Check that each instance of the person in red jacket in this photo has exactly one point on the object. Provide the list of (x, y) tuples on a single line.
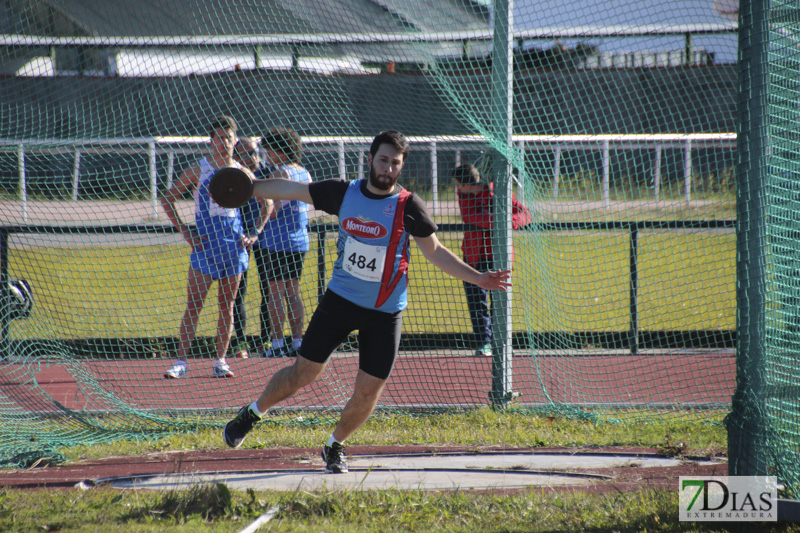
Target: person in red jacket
[(475, 201)]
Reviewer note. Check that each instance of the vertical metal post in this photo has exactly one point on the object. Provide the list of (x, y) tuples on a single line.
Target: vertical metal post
[(687, 170), (23, 181), (340, 152), (319, 231), (521, 169), (606, 177), (747, 442), (434, 179), (556, 172), (170, 168), (360, 165), (4, 295), (633, 341), (76, 172), (151, 152), (689, 47), (502, 115), (657, 172)]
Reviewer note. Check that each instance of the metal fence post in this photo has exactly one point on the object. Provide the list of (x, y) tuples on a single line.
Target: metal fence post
[(556, 171), (151, 152), (747, 423), (341, 159), (606, 175), (502, 114), (4, 294), (23, 181), (76, 172), (434, 179), (687, 169), (657, 172)]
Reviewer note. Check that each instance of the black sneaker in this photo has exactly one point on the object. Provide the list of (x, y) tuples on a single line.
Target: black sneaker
[(334, 458), (237, 429)]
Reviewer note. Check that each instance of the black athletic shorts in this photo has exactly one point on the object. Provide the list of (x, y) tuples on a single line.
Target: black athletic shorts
[(284, 265), (336, 317)]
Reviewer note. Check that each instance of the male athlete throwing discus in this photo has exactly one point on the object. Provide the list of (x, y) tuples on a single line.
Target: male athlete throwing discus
[(367, 290)]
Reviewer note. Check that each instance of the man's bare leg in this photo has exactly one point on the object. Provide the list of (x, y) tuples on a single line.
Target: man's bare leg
[(287, 381), (282, 385), (362, 403)]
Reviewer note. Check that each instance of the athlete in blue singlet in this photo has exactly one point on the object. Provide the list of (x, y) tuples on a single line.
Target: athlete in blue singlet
[(221, 254), (284, 243), (367, 291), (218, 248)]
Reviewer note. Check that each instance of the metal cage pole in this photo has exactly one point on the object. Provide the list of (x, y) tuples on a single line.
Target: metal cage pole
[(747, 422), (502, 122)]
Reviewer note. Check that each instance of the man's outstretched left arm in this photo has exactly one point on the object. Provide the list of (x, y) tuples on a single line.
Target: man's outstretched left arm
[(441, 256)]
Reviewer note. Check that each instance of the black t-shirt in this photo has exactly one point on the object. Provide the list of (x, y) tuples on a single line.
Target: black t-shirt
[(329, 194)]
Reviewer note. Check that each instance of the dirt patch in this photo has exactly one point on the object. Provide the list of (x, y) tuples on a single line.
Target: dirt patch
[(92, 473)]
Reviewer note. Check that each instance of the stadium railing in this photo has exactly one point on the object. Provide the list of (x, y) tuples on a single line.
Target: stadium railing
[(342, 147)]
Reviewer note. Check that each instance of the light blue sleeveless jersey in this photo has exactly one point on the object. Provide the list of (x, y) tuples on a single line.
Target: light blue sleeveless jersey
[(288, 231), (221, 256), (372, 263)]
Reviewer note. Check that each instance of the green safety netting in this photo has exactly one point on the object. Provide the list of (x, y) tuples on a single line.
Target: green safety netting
[(615, 124), (763, 423)]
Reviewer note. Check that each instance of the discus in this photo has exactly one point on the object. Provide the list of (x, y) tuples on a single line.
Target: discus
[(230, 187)]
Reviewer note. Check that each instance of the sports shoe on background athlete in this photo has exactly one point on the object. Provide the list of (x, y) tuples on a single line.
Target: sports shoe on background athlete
[(484, 351), (177, 370), (222, 370), (276, 351), (293, 349), (335, 459), (237, 429)]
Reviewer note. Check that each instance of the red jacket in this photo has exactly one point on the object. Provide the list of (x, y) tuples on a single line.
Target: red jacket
[(476, 209)]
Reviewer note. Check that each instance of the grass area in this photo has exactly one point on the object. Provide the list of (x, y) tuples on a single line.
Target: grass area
[(479, 427), (565, 281), (216, 508)]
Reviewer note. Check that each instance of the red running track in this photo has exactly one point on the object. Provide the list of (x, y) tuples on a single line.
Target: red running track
[(420, 379)]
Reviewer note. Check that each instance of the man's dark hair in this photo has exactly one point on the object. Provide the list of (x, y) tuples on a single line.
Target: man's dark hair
[(467, 174), (394, 138), (222, 121), (285, 141)]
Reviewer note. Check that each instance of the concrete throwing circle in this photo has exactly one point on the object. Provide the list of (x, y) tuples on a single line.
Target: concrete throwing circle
[(416, 472)]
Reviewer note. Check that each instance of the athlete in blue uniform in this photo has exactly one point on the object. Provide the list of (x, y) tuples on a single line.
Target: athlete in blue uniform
[(367, 290), (219, 248), (284, 243)]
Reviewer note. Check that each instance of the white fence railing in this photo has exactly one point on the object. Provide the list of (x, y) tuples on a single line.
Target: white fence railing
[(357, 148)]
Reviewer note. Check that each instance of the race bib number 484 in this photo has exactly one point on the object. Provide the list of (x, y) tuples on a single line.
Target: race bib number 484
[(364, 261)]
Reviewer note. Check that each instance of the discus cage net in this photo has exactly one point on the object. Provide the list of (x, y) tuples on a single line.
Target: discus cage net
[(615, 124)]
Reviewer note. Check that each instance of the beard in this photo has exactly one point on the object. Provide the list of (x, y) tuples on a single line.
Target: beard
[(383, 183)]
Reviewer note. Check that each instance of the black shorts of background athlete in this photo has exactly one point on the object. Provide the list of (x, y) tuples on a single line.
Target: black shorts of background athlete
[(281, 266), (335, 318)]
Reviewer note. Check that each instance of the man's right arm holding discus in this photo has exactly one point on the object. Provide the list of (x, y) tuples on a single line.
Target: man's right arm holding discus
[(280, 189)]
